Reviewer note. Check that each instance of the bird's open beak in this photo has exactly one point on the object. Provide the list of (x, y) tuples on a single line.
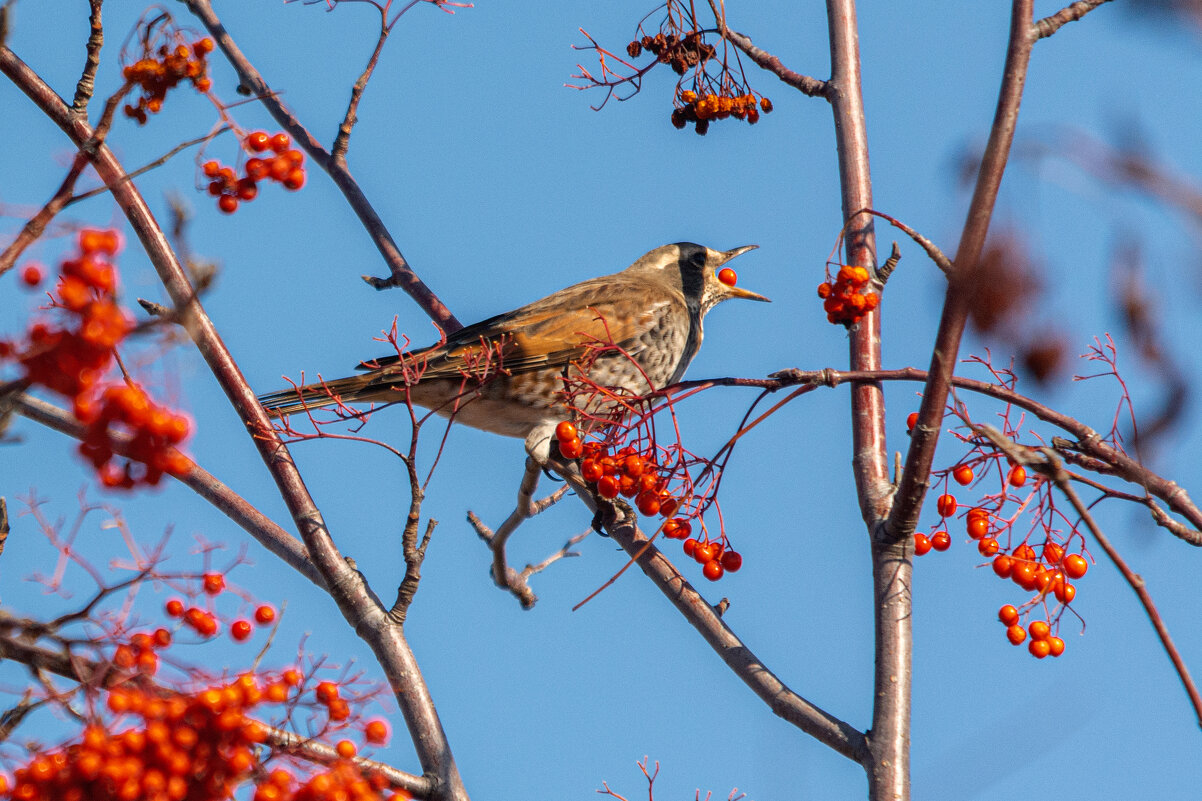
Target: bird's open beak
[(738, 291)]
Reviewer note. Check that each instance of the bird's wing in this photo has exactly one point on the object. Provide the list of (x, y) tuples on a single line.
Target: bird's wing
[(550, 332)]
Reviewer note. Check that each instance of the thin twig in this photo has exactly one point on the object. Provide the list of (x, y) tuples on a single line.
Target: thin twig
[(1049, 25), (87, 81), (342, 140)]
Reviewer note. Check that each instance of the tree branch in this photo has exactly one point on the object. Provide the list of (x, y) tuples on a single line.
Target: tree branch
[(1049, 25)]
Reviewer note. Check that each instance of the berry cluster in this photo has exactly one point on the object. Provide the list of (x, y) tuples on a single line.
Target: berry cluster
[(71, 360), (140, 654), (1046, 572), (154, 432), (204, 622), (280, 163), (680, 53), (190, 747), (844, 299), (343, 781), (631, 474), (156, 75), (699, 110)]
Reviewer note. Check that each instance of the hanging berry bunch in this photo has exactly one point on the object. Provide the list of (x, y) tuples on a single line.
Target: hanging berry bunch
[(711, 84), (640, 471), (165, 59), (847, 297), (272, 158), (71, 357)]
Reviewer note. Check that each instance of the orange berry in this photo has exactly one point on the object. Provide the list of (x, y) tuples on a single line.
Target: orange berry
[(963, 475), (241, 630), (1052, 553), (1065, 592), (732, 561), (175, 608), (211, 169), (565, 431), (766, 105), (1055, 646), (1039, 648), (713, 570), (1016, 634), (346, 749), (214, 583), (280, 142), (1075, 565), (1008, 615), (607, 487), (265, 614), (978, 527), (1023, 575), (326, 692), (911, 421), (647, 503), (988, 546), (227, 204), (727, 276), (941, 541), (1039, 629), (1018, 476), (946, 505), (922, 544), (295, 179), (376, 732), (1003, 565)]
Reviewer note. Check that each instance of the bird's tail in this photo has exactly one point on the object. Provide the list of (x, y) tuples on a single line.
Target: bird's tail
[(315, 396)]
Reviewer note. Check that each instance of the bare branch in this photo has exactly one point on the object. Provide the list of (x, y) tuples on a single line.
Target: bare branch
[(1049, 25), (87, 81), (402, 274)]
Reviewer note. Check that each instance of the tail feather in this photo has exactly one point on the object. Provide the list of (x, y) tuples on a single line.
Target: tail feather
[(315, 396)]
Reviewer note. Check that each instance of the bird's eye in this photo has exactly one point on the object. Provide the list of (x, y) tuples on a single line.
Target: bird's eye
[(698, 259)]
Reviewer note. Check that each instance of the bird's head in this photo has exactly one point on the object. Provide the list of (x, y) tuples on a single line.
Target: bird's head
[(696, 271)]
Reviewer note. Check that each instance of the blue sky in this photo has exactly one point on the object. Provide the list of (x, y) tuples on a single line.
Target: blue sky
[(500, 186)]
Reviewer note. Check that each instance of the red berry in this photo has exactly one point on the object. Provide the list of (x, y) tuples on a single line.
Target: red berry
[(228, 204), (258, 141), (1016, 634), (690, 546), (921, 544), (1065, 592), (1008, 615), (648, 503), (1003, 565), (732, 561), (295, 179), (712, 570), (565, 431), (911, 421), (978, 527), (1039, 629), (963, 475), (1018, 476), (1055, 646), (727, 276), (175, 608), (31, 275), (240, 630), (345, 749), (571, 448), (1039, 648), (264, 614), (607, 487), (946, 505), (988, 546), (326, 692), (941, 541), (280, 142)]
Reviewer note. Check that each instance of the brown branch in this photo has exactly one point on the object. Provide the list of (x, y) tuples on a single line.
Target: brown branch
[(348, 589), (1106, 458), (269, 534), (87, 81), (765, 60), (342, 140), (1049, 25), (936, 255), (36, 225), (784, 702), (1055, 472), (145, 168), (503, 575), (910, 493), (402, 274)]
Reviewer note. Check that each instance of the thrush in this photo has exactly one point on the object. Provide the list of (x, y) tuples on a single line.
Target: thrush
[(625, 334)]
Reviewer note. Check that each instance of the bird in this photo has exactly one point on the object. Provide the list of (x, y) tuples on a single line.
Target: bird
[(627, 334)]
